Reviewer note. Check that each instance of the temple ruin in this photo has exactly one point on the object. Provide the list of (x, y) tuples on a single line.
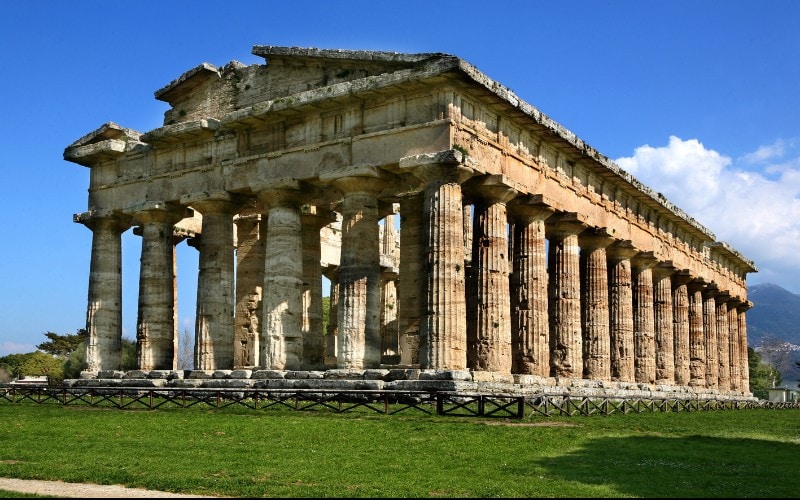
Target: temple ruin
[(471, 242)]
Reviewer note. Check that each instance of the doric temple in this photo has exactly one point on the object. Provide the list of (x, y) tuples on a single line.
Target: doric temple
[(467, 237)]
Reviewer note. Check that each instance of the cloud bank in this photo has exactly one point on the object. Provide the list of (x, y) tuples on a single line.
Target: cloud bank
[(751, 202)]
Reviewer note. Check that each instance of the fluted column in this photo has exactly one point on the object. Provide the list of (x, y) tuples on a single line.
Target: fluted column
[(443, 326), (412, 280), (723, 345), (249, 286), (313, 220), (104, 310), (621, 311), (710, 335), (489, 324), (282, 341), (697, 339), (359, 269), (741, 309), (644, 331), (566, 342), (530, 327), (680, 309), (155, 328), (594, 305), (332, 333), (733, 340), (663, 317), (214, 332)]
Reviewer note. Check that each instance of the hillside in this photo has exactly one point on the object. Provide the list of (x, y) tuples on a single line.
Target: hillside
[(775, 314)]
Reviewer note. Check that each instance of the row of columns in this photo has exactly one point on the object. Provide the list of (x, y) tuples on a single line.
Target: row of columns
[(570, 300)]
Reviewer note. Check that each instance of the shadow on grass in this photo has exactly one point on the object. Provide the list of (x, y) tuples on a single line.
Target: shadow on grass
[(690, 467)]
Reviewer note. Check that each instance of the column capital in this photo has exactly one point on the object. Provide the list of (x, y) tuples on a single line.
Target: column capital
[(595, 238), (696, 285), (621, 250), (663, 270), (710, 291), (159, 211), (215, 202), (366, 179), (722, 297), (444, 166), (681, 277), (104, 219), (531, 207), (744, 306), (565, 224), (734, 302), (644, 260), (496, 188), (318, 217), (286, 191)]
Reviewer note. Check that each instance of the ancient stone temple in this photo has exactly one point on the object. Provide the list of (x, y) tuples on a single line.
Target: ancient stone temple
[(469, 239)]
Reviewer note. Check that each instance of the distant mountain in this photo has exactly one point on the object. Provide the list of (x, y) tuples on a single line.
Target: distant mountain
[(775, 314)]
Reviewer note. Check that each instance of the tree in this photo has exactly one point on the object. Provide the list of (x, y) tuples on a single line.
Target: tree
[(763, 376), (185, 351), (62, 346)]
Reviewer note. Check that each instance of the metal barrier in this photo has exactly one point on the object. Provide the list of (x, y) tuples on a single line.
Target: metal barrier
[(387, 402)]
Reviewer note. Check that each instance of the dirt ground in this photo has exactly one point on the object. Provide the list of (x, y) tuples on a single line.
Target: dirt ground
[(80, 490)]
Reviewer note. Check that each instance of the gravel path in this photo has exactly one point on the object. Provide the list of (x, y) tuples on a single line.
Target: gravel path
[(82, 490)]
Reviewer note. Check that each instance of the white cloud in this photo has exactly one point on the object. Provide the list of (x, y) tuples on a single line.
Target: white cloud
[(756, 214)]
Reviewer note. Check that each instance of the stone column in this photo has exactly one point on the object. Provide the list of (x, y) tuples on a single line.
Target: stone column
[(741, 309), (313, 219), (215, 284), (489, 325), (332, 333), (710, 335), (621, 311), (443, 326), (566, 343), (530, 327), (680, 309), (594, 305), (663, 317), (644, 331), (412, 280), (723, 346), (359, 268), (155, 329), (282, 342), (389, 336), (733, 340), (250, 247), (697, 339), (104, 311)]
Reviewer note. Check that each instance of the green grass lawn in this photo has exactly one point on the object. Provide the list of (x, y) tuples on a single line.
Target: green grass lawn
[(282, 453)]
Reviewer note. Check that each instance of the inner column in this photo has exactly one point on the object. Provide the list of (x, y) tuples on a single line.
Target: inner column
[(710, 335), (662, 318), (596, 333), (621, 311), (680, 310), (644, 341)]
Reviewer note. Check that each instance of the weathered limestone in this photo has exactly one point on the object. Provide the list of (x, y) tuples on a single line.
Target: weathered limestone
[(530, 333), (442, 342), (710, 336), (214, 331), (595, 309), (566, 343), (282, 344), (104, 313), (524, 254), (621, 311), (248, 319), (697, 340), (680, 310), (489, 328), (741, 309), (644, 336), (723, 343), (663, 318), (359, 271)]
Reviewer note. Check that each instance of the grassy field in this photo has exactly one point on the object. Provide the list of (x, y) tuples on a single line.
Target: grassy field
[(282, 453)]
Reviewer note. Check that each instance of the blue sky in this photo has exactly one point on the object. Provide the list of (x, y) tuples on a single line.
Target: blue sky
[(697, 99)]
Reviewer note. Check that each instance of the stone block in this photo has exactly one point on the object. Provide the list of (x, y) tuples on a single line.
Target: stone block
[(402, 374), (109, 374), (241, 373), (159, 374), (221, 374), (268, 374), (200, 374), (302, 374), (375, 374), (344, 374), (482, 376), (136, 374)]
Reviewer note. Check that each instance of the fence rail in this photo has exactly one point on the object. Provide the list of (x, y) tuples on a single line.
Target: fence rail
[(387, 402)]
